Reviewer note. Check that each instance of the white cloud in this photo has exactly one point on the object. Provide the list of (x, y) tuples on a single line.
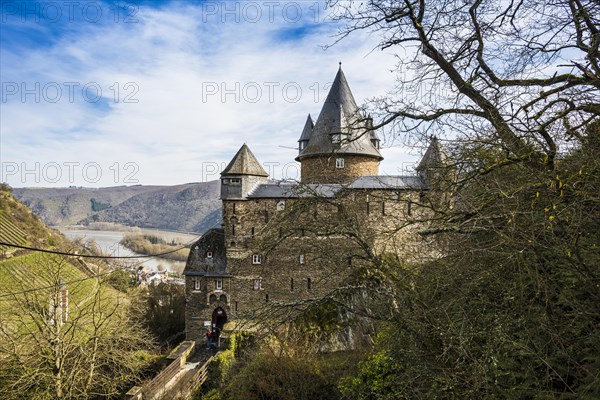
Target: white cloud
[(176, 131)]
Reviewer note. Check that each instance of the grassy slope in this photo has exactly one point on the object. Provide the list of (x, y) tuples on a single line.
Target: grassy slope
[(22, 270)]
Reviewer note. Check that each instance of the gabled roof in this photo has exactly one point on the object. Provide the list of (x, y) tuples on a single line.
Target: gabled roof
[(293, 190), (244, 163), (284, 190), (308, 129), (198, 264), (340, 114), (435, 156), (387, 182)]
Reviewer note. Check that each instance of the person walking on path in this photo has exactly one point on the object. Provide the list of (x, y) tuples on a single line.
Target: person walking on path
[(208, 339)]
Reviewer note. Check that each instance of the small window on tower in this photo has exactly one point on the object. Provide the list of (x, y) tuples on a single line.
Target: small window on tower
[(196, 284), (235, 181), (209, 254), (339, 163), (302, 259), (281, 205), (219, 284), (256, 259), (336, 138), (257, 284)]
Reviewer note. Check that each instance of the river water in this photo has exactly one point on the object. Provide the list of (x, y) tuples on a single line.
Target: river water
[(108, 242)]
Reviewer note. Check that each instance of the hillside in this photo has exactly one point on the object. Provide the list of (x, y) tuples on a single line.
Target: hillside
[(67, 206), (19, 225), (192, 207), (65, 332), (22, 269)]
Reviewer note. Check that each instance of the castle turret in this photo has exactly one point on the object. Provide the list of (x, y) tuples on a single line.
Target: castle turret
[(306, 134), (437, 172), (340, 147), (241, 175)]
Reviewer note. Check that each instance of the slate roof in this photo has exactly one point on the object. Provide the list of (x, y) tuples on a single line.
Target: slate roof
[(340, 114), (308, 128), (293, 190), (199, 265), (387, 182), (244, 163), (434, 157)]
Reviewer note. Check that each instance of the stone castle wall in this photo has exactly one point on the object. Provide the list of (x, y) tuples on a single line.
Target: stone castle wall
[(324, 170)]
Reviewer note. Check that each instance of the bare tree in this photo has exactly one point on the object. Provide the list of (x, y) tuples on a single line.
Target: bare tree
[(524, 75), (68, 338)]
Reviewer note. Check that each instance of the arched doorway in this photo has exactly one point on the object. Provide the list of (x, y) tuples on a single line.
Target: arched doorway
[(219, 318)]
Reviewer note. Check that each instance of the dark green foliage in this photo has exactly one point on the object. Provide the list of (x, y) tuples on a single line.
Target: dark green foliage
[(163, 312), (98, 205), (513, 310), (122, 280), (280, 378)]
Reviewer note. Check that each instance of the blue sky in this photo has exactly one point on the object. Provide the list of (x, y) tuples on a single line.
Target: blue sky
[(165, 92)]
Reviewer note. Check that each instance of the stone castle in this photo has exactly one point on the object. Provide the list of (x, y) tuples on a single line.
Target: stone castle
[(289, 243)]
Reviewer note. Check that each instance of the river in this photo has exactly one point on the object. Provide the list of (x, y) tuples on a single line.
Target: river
[(108, 241)]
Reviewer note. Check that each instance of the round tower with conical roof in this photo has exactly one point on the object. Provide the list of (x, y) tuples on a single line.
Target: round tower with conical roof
[(341, 146)]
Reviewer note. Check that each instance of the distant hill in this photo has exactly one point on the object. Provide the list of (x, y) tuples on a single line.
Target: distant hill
[(192, 207)]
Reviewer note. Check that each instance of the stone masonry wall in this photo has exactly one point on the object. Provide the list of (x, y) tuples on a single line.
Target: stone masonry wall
[(323, 169)]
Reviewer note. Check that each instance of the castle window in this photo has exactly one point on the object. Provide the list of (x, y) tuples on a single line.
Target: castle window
[(383, 208), (233, 230), (219, 284), (301, 258), (252, 232), (281, 205), (280, 232), (235, 181), (267, 297), (302, 145), (223, 298), (292, 284), (256, 259), (196, 284), (409, 208), (336, 138), (212, 298), (257, 284), (236, 306), (339, 163), (233, 207), (308, 283), (209, 254)]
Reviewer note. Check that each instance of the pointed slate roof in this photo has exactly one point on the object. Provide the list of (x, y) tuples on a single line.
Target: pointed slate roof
[(340, 114), (308, 129), (244, 163), (435, 156)]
